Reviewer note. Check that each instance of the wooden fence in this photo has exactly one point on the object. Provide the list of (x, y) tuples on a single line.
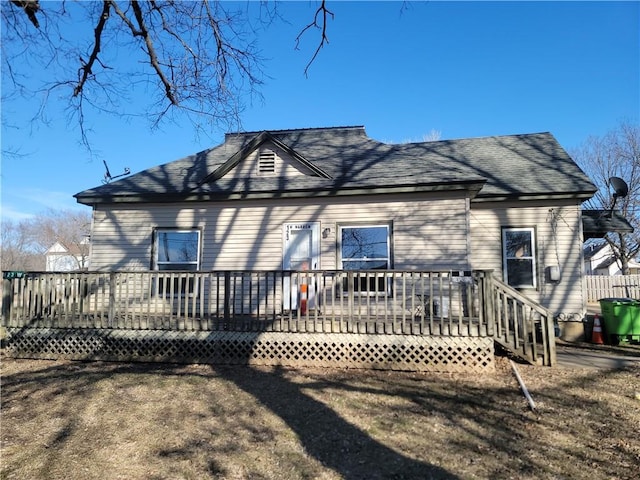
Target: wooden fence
[(611, 286)]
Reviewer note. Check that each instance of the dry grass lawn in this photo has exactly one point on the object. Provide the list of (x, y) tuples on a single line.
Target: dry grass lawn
[(82, 421)]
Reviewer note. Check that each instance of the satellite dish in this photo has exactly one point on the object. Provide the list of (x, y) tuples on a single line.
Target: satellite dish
[(621, 191), (620, 187)]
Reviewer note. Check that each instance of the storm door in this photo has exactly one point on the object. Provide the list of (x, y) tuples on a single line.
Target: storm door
[(301, 252)]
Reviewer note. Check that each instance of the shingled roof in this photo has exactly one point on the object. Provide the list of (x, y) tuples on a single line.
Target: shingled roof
[(345, 161)]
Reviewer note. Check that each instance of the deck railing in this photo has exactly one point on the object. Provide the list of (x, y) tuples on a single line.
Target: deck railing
[(521, 325), (375, 301), (398, 302)]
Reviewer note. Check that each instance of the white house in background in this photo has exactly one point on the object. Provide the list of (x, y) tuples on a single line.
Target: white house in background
[(599, 260), (60, 258)]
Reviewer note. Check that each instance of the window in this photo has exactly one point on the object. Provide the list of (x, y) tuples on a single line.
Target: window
[(177, 250), (366, 247), (519, 257)]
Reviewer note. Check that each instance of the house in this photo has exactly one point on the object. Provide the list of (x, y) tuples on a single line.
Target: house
[(60, 258), (600, 260), (335, 199)]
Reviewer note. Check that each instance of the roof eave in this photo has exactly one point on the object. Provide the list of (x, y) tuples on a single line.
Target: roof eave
[(472, 187), (597, 223), (582, 196)]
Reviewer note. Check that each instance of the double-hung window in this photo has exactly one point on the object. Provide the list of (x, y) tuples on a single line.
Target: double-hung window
[(519, 257), (366, 247), (177, 250)]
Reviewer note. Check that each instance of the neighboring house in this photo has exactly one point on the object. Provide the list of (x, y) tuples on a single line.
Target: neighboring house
[(60, 258), (333, 198), (599, 260)]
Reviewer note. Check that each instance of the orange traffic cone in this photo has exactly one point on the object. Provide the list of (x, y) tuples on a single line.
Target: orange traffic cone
[(303, 299), (596, 335)]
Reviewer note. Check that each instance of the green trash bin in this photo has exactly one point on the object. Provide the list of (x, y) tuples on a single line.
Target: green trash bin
[(621, 318)]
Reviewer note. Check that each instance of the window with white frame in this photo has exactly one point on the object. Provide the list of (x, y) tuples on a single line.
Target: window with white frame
[(177, 250), (366, 247), (519, 257)]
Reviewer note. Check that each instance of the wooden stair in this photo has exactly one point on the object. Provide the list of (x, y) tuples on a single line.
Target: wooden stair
[(523, 327)]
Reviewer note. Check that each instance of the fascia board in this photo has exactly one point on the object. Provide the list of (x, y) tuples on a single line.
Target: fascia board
[(472, 188)]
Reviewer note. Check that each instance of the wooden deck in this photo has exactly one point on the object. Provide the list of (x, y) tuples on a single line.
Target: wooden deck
[(390, 309)]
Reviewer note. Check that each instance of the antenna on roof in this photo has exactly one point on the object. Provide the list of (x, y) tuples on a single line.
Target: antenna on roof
[(107, 173), (621, 191)]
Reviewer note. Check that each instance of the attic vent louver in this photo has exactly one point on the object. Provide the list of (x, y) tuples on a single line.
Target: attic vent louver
[(267, 163)]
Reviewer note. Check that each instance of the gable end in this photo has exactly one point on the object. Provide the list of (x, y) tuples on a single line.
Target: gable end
[(267, 163)]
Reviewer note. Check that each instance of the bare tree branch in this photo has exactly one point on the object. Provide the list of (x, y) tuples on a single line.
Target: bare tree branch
[(324, 11), (198, 59), (30, 8), (151, 52), (88, 66)]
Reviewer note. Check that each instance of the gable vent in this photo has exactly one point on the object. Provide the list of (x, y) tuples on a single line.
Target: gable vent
[(267, 163)]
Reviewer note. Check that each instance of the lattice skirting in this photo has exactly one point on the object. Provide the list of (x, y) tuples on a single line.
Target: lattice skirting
[(390, 352)]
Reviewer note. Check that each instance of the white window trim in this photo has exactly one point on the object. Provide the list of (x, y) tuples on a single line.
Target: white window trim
[(156, 248), (386, 225), (194, 283), (532, 257)]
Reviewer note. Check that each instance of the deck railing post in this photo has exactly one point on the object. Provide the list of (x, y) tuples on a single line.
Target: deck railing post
[(227, 295), (6, 301), (488, 307), (549, 356), (350, 296), (111, 315)]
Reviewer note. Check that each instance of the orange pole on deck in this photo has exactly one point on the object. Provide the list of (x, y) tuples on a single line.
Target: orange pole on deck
[(303, 299)]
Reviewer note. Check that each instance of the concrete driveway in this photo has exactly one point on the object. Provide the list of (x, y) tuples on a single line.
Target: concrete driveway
[(602, 357)]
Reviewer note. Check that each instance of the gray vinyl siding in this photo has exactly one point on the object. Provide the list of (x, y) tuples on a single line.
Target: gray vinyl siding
[(430, 233), (558, 242)]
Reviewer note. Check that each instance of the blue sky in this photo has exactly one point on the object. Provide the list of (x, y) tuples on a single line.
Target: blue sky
[(464, 69)]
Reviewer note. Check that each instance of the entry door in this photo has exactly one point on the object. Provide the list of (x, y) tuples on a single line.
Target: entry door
[(301, 251)]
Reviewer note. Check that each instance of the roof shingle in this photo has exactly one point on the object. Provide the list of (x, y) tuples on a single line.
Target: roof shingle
[(513, 166)]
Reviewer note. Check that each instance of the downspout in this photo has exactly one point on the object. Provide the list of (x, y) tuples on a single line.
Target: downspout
[(467, 217)]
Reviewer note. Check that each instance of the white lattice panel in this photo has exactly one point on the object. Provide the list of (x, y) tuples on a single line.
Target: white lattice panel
[(395, 352)]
